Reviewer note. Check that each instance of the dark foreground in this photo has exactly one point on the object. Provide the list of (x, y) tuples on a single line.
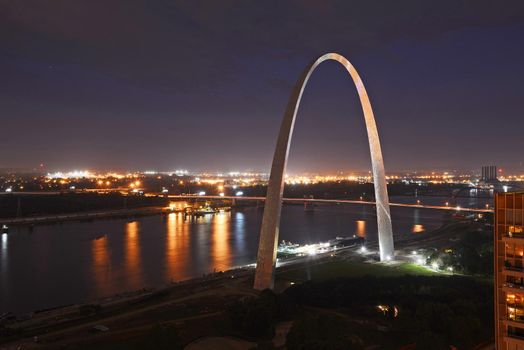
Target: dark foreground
[(397, 311)]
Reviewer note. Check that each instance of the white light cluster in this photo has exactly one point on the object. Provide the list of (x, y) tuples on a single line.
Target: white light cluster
[(75, 174)]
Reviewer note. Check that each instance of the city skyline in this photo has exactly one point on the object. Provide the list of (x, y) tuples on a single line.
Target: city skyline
[(160, 86)]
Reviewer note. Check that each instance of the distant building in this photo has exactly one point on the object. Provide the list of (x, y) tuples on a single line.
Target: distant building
[(489, 173), (509, 271)]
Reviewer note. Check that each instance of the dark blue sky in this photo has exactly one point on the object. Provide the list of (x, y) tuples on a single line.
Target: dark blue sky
[(203, 84)]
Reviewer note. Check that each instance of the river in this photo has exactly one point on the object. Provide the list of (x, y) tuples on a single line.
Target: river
[(75, 262)]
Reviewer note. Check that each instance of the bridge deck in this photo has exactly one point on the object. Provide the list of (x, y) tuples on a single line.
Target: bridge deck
[(335, 201)]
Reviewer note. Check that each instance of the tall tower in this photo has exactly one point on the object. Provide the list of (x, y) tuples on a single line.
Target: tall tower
[(489, 173), (509, 271)]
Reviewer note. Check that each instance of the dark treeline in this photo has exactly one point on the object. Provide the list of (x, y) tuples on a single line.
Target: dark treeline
[(426, 312), (71, 203), (434, 312), (471, 254), (353, 190)]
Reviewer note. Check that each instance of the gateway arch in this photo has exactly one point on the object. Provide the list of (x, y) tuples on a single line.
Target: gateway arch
[(267, 249)]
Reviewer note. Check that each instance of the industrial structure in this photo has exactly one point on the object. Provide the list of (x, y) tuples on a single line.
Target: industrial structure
[(509, 271), (267, 249), (489, 173)]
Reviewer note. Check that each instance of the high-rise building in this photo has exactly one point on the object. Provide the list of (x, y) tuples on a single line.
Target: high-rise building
[(509, 271), (489, 173)]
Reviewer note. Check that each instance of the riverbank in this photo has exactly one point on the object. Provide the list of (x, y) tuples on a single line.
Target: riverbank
[(90, 215)]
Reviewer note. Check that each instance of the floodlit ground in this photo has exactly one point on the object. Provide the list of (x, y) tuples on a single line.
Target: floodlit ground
[(349, 268)]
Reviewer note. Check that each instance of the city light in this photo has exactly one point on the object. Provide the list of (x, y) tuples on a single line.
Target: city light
[(312, 251), (76, 174), (201, 193), (221, 194), (239, 193)]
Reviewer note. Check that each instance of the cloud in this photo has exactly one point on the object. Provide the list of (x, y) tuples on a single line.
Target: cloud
[(187, 46)]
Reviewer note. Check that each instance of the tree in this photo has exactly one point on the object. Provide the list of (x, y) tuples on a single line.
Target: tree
[(255, 316), (321, 331), (428, 340), (161, 337)]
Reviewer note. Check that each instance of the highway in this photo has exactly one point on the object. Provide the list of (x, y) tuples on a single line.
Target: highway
[(290, 200), (336, 201)]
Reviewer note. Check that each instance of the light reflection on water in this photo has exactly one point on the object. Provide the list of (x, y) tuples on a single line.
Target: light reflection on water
[(178, 240), (101, 265), (418, 228), (221, 244), (74, 262), (361, 228), (133, 263), (3, 263)]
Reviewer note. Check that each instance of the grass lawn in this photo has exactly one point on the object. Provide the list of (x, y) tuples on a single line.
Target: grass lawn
[(336, 269)]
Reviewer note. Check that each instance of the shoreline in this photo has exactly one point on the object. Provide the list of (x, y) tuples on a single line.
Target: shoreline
[(88, 215)]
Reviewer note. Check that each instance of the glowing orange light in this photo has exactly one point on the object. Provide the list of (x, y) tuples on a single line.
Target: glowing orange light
[(417, 228)]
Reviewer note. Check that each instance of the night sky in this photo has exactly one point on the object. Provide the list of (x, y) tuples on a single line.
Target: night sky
[(202, 85)]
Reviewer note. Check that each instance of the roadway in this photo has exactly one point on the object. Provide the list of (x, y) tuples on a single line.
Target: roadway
[(337, 201), (289, 200)]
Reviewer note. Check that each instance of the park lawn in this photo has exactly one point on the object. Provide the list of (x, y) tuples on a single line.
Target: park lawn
[(336, 269)]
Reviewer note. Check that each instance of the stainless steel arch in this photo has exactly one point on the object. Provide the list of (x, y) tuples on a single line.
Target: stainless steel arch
[(264, 275)]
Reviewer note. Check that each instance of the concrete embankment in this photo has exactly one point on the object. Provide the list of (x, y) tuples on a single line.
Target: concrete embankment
[(84, 216)]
